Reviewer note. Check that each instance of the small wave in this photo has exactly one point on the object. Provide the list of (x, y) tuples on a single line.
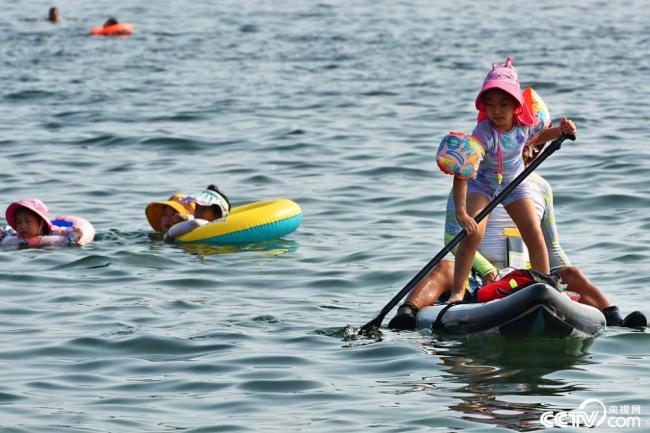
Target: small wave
[(249, 28), (30, 95), (176, 143), (88, 262), (280, 386)]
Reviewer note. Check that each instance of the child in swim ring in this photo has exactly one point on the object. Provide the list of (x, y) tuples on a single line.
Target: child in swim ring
[(31, 226), (503, 133), (211, 205), (29, 218), (163, 215)]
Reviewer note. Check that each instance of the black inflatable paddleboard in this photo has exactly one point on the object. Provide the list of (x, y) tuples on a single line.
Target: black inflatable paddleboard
[(538, 310)]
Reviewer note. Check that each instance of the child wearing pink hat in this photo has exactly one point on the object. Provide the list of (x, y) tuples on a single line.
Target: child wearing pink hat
[(31, 226), (504, 130), (29, 218)]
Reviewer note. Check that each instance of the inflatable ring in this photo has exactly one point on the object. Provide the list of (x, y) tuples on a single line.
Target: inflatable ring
[(67, 222), (252, 222), (120, 29), (63, 233)]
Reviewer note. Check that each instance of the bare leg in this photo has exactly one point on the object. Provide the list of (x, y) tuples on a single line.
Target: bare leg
[(591, 295), (468, 247), (577, 282), (523, 214), (437, 282), (425, 293)]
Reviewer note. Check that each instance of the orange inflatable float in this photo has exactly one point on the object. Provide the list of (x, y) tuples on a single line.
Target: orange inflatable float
[(120, 29)]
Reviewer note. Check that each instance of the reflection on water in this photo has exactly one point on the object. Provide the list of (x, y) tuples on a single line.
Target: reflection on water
[(500, 381), (273, 247)]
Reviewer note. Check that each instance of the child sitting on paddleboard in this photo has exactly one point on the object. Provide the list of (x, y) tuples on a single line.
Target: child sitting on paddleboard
[(505, 125), (211, 205), (30, 226)]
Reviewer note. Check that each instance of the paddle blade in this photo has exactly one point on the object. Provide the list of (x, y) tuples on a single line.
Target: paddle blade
[(371, 327)]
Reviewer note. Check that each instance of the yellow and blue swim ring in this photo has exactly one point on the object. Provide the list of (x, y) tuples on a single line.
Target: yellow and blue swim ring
[(252, 222)]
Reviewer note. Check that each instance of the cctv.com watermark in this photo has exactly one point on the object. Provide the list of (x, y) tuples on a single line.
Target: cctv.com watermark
[(593, 413)]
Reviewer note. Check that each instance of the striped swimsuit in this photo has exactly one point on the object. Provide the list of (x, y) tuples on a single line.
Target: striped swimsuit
[(502, 155)]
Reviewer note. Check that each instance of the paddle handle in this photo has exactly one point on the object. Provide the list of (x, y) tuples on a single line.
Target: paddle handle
[(555, 145)]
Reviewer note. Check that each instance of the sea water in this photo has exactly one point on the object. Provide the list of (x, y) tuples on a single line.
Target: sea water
[(340, 107)]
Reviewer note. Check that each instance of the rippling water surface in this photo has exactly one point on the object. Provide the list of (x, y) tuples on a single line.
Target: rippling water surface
[(338, 106)]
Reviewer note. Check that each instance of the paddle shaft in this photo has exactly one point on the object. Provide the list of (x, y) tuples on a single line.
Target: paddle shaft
[(555, 145)]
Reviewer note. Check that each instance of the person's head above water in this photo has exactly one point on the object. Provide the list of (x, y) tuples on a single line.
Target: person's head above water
[(111, 22), (211, 204), (162, 215), (53, 15), (30, 218)]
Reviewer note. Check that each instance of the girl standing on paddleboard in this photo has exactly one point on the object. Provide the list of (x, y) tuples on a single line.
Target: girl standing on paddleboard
[(504, 128)]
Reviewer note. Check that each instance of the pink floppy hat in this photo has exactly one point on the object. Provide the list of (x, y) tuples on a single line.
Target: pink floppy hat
[(33, 204), (504, 77)]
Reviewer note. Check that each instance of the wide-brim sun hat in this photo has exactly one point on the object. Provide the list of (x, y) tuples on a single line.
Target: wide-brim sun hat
[(33, 204), (211, 198), (504, 77), (177, 201)]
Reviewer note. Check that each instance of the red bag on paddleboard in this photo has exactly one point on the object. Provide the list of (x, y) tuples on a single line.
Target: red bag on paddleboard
[(513, 281)]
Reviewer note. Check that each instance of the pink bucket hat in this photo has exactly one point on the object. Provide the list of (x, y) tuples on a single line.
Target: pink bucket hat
[(505, 77), (33, 204)]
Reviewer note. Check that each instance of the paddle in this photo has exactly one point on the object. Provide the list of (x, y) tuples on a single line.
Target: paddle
[(376, 322)]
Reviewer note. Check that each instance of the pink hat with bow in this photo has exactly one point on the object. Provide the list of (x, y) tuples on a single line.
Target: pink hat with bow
[(505, 77), (33, 204)]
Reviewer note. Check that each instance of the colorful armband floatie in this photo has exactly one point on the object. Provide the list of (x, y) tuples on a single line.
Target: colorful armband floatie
[(535, 104), (460, 155)]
